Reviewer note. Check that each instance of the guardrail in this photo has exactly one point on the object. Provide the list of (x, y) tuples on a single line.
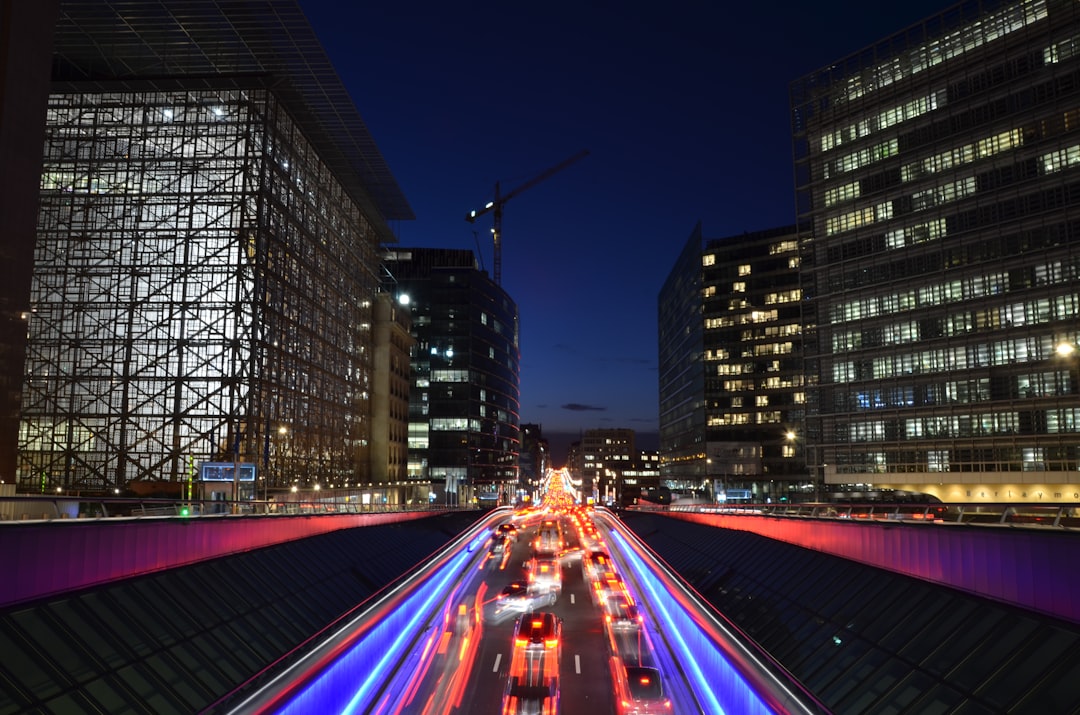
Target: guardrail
[(27, 507), (1056, 516)]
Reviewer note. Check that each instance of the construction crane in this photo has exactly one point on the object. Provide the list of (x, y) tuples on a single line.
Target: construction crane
[(496, 207)]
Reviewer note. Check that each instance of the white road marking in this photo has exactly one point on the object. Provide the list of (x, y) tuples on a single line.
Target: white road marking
[(498, 657), (571, 599), (577, 664)]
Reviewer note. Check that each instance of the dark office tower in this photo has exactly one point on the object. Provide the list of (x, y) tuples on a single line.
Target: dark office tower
[(464, 425), (534, 459), (25, 50), (940, 169), (206, 261), (732, 398)]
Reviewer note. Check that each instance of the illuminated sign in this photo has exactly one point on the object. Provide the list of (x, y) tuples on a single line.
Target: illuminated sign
[(223, 471)]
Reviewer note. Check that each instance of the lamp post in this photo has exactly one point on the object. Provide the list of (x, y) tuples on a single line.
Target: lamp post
[(282, 452), (791, 438)]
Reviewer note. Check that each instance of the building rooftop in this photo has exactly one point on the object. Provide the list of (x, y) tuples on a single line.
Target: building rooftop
[(153, 44)]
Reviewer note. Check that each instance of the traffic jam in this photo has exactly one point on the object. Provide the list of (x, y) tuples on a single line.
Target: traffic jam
[(534, 553)]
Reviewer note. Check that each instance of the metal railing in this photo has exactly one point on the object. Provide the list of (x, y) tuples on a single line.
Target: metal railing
[(1058, 516), (27, 507)]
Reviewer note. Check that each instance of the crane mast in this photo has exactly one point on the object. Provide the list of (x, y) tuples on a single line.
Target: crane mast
[(495, 207)]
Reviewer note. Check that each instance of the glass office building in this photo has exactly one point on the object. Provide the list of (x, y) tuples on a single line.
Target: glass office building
[(464, 403), (732, 395), (937, 170), (207, 253)]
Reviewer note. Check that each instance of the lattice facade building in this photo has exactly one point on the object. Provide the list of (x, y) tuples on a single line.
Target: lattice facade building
[(205, 266)]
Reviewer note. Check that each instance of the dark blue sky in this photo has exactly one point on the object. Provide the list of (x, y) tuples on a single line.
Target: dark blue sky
[(683, 107)]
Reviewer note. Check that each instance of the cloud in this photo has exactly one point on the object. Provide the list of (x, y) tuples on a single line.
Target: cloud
[(575, 407)]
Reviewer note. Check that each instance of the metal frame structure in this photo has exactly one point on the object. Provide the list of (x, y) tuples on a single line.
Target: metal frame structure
[(211, 206)]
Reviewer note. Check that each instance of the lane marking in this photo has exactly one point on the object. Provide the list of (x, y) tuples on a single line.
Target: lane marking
[(577, 664), (571, 599), (498, 657)]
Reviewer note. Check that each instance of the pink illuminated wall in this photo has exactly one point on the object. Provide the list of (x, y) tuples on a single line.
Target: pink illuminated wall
[(1024, 567), (45, 558)]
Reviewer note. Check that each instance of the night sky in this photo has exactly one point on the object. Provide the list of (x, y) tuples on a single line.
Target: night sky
[(683, 107)]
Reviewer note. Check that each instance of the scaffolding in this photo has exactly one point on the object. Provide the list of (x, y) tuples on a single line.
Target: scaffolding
[(202, 292)]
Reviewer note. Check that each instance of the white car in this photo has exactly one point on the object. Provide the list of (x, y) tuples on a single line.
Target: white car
[(520, 597)]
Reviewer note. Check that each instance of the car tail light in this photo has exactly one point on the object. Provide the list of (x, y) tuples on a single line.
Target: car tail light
[(551, 642)]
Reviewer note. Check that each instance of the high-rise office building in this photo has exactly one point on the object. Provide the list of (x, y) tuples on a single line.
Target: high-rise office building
[(604, 454), (942, 279), (464, 422), (207, 252), (391, 383), (732, 397)]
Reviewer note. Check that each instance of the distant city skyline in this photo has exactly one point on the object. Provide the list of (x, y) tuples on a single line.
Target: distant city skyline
[(684, 113)]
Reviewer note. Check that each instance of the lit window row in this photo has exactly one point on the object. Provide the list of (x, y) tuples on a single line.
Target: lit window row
[(961, 155), (920, 233), (854, 219), (944, 194), (1030, 312), (933, 53), (839, 194), (454, 424), (1060, 159), (1057, 421), (728, 419), (788, 296), (754, 316), (773, 349), (1029, 459), (449, 375), (1061, 51), (883, 120), (862, 158), (783, 247), (771, 331), (962, 357)]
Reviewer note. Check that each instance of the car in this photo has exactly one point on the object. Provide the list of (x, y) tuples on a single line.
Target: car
[(545, 574), (499, 544), (532, 687), (508, 530), (519, 698), (595, 563), (620, 612), (607, 585), (639, 690), (520, 597), (549, 538), (538, 632)]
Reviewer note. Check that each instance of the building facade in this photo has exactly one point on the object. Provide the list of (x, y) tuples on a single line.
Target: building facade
[(681, 348), (741, 387), (604, 455), (391, 383), (206, 258), (534, 460), (937, 169), (464, 422)]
